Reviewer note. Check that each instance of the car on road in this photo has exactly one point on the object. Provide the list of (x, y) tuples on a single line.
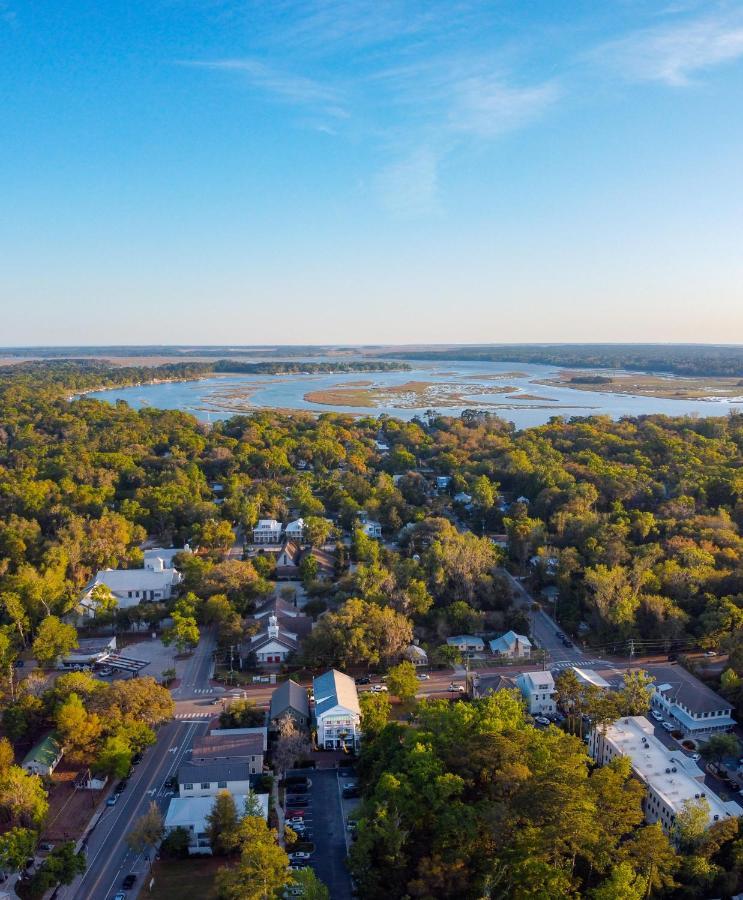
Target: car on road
[(351, 792), (299, 854), (423, 676), (349, 784), (379, 689), (541, 720), (128, 881), (215, 701), (710, 653), (656, 715), (112, 800), (364, 679), (459, 688), (667, 726)]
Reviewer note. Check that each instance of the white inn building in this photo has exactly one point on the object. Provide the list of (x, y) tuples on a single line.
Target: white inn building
[(670, 777), (337, 711)]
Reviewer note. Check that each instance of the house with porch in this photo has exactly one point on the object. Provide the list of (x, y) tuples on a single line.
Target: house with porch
[(511, 646), (267, 531), (337, 711)]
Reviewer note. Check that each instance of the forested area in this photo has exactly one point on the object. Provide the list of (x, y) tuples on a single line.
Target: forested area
[(636, 523), (679, 359)]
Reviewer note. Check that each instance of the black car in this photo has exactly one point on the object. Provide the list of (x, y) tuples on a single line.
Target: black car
[(129, 881), (121, 786), (363, 680), (137, 759), (297, 801), (351, 792)]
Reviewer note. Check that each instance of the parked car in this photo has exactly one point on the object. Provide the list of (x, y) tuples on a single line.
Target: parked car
[(456, 687), (656, 715), (295, 820), (105, 670), (696, 756), (423, 676), (297, 788), (128, 881), (137, 759), (298, 801), (112, 800), (541, 720), (379, 689), (121, 786), (299, 854), (297, 867), (46, 847), (364, 679), (351, 792), (710, 653), (297, 779), (667, 726), (349, 784), (120, 896)]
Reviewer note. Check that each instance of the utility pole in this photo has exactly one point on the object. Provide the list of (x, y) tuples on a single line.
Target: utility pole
[(631, 654)]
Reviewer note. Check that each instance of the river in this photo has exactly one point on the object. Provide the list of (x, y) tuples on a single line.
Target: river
[(529, 403)]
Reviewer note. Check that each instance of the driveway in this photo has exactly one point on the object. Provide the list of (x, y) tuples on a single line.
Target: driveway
[(326, 821)]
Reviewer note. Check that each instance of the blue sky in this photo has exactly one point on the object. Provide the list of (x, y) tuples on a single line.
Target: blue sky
[(209, 171)]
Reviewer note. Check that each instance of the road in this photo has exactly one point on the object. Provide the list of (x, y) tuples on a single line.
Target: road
[(109, 858), (199, 668)]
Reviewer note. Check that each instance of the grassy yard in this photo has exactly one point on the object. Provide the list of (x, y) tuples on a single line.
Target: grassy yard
[(179, 878)]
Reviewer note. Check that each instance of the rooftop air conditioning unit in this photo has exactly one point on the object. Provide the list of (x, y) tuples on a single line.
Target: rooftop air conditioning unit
[(716, 818), (668, 771), (696, 796), (674, 769)]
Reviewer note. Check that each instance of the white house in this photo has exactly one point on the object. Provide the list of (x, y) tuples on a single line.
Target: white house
[(190, 813), (538, 689), (267, 531), (207, 779), (372, 529), (155, 582), (415, 654), (463, 497), (467, 643), (295, 530), (690, 705), (44, 757), (671, 778), (337, 711), (442, 482), (511, 645)]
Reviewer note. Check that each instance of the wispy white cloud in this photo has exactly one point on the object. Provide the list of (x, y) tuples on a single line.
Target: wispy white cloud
[(294, 89), (486, 107), (673, 53)]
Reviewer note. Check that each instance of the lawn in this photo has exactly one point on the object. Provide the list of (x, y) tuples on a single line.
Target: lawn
[(179, 878)]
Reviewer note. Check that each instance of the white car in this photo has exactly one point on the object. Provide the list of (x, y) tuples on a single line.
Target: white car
[(541, 720), (423, 676), (696, 756), (667, 726), (299, 854), (710, 653), (656, 715), (379, 689), (456, 687)]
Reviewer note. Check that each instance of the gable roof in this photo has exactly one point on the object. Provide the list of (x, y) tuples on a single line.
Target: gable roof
[(508, 641), (293, 551), (465, 639), (46, 752), (334, 688), (289, 695), (537, 681), (287, 640)]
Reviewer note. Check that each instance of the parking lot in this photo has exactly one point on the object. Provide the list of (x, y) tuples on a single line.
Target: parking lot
[(325, 820)]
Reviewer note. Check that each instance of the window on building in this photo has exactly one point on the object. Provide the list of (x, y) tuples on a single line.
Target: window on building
[(187, 787), (221, 784), (205, 785)]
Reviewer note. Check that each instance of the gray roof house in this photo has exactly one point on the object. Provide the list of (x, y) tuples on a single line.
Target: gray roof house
[(290, 698)]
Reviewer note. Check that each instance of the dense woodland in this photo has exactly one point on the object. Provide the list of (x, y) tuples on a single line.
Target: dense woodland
[(680, 359), (636, 523)]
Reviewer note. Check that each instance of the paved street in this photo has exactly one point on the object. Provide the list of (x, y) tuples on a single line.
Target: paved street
[(199, 668), (109, 859)]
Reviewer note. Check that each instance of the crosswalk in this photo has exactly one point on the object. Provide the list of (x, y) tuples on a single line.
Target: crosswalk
[(196, 715), (203, 690), (583, 664)]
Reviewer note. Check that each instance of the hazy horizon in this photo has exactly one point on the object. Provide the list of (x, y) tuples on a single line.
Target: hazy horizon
[(388, 172)]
